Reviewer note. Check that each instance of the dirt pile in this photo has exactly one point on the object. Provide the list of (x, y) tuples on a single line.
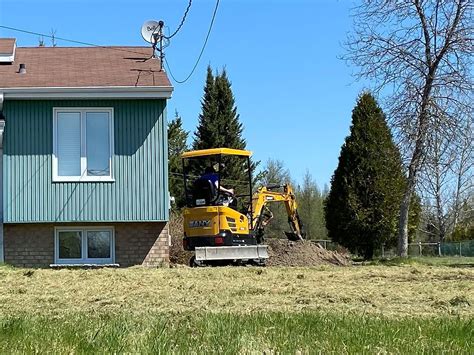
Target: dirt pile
[(178, 256), (283, 252)]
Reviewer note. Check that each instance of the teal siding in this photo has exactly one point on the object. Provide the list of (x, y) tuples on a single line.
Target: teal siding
[(140, 166)]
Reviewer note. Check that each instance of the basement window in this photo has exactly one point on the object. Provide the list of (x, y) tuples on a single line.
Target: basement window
[(82, 144), (87, 245)]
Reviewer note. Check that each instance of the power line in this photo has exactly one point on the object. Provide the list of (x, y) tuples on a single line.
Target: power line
[(182, 21), (66, 39), (200, 54)]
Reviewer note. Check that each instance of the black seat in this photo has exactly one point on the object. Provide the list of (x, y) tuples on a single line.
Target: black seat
[(204, 191)]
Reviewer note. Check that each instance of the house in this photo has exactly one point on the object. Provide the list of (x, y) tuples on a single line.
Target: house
[(83, 156)]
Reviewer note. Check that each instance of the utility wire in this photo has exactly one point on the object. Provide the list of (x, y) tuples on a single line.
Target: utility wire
[(67, 40), (182, 21), (200, 54)]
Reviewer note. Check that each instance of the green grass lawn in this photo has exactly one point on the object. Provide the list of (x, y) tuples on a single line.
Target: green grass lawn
[(260, 332), (452, 261), (414, 308)]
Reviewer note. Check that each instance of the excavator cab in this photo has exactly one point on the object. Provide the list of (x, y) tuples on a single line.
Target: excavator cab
[(209, 178)]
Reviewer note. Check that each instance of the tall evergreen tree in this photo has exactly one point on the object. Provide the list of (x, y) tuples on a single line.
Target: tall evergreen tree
[(219, 123), (362, 207), (177, 144), (220, 127)]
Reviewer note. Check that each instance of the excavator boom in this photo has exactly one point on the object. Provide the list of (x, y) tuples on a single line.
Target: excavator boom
[(268, 194)]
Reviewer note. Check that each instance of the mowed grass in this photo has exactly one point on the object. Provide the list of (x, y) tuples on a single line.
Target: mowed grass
[(391, 291), (372, 309), (452, 261), (234, 333)]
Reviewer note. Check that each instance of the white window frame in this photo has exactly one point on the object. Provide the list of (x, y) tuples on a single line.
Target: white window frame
[(83, 177), (84, 259)]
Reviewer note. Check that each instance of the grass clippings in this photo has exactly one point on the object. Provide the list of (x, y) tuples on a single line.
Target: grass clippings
[(411, 290)]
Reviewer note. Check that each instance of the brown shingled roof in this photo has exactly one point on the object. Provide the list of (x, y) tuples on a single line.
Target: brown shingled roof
[(83, 67), (6, 45)]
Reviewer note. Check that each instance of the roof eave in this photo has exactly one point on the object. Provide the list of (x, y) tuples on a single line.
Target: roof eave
[(90, 92)]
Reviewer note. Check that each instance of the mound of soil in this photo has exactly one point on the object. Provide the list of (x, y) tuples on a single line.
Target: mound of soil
[(283, 252), (178, 256)]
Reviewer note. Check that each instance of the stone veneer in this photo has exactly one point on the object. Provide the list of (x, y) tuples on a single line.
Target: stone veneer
[(32, 245)]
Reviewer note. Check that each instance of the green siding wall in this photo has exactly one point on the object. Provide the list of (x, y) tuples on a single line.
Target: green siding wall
[(140, 166)]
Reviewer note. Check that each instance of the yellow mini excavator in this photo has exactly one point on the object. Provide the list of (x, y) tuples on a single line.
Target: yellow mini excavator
[(224, 220)]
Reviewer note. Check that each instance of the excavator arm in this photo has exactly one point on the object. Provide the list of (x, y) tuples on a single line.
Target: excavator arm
[(262, 215)]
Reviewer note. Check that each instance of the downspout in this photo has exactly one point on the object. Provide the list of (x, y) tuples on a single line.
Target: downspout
[(2, 126), (2, 119)]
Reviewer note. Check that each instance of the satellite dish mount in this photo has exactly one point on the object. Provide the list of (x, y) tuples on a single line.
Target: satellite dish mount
[(152, 32)]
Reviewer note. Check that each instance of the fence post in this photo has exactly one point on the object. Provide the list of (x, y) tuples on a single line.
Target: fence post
[(419, 249), (325, 245), (439, 248), (383, 251), (460, 252)]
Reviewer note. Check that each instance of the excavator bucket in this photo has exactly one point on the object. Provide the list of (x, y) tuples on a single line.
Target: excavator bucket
[(294, 236), (297, 232)]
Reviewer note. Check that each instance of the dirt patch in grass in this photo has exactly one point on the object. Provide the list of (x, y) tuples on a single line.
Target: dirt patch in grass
[(302, 253)]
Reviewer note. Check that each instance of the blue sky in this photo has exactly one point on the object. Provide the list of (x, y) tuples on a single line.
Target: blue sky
[(293, 94)]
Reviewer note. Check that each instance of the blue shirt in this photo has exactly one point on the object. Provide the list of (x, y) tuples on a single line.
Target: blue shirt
[(212, 177)]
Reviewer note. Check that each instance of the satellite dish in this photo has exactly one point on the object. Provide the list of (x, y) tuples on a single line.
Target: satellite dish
[(150, 28)]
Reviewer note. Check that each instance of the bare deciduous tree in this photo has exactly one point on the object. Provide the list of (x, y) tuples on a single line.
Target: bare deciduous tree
[(446, 176), (419, 54)]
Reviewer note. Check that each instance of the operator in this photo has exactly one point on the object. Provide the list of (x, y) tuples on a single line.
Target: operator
[(211, 175)]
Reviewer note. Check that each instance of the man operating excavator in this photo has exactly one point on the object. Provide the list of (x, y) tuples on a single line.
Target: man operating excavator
[(210, 174)]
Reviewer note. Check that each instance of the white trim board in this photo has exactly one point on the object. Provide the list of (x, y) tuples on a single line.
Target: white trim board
[(88, 92)]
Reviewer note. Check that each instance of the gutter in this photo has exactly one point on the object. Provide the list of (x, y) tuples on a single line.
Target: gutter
[(88, 92)]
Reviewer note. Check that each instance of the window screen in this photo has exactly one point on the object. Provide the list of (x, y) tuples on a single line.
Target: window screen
[(69, 143)]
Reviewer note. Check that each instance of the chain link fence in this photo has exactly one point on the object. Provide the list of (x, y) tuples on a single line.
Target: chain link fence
[(461, 248)]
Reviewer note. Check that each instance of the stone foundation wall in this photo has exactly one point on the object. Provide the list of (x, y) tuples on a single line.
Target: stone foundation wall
[(32, 245)]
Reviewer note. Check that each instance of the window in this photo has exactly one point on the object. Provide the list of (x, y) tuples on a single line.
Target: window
[(83, 144), (91, 245)]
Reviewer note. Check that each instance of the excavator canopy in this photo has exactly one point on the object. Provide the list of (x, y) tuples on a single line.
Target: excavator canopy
[(216, 151)]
